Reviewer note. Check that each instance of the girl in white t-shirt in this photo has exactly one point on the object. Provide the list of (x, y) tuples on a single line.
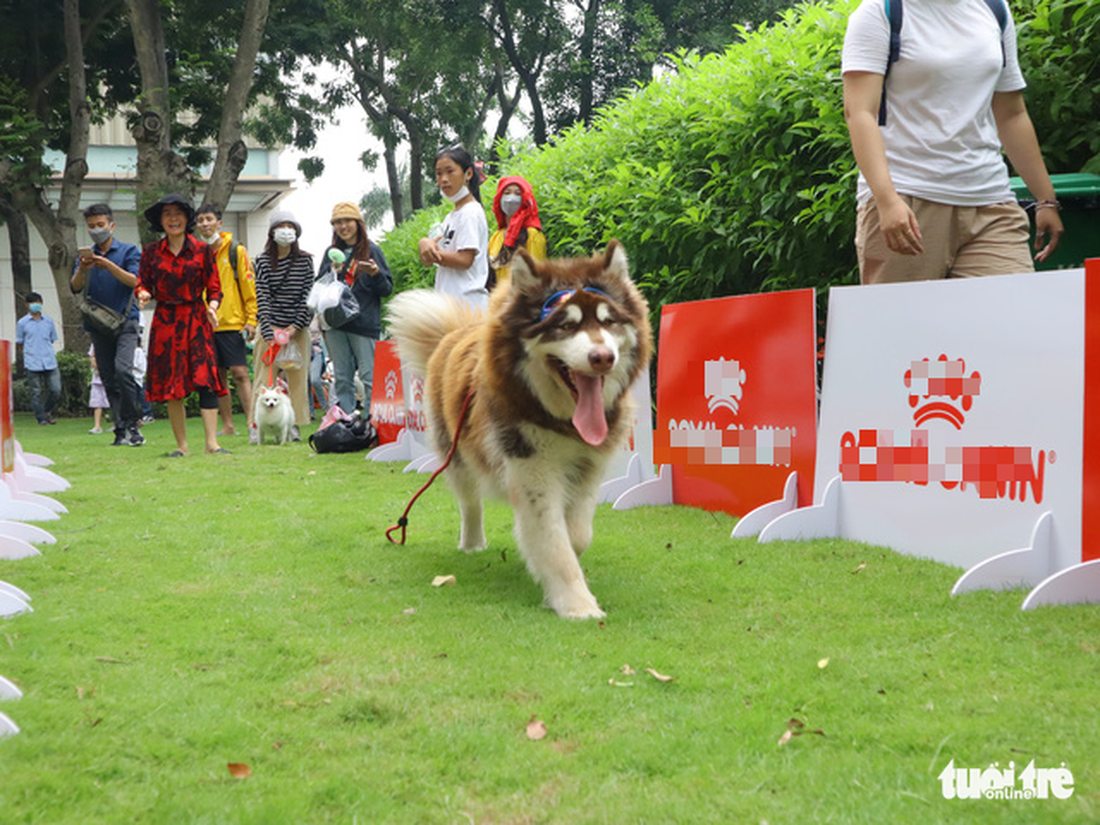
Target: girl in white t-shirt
[(934, 196), (461, 253)]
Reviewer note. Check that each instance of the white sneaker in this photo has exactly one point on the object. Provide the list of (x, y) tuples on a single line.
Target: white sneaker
[(95, 430)]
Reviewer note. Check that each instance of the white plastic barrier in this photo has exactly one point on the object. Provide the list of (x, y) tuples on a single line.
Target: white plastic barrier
[(960, 421)]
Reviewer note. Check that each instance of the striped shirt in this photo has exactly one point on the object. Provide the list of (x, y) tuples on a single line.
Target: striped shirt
[(281, 292)]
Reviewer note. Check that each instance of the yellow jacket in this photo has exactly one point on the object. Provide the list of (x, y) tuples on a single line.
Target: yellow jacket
[(536, 247), (238, 306)]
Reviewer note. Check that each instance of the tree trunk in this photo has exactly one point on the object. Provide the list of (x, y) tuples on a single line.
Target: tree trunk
[(19, 239), (528, 78), (416, 166), (393, 179), (588, 41), (232, 153), (159, 169)]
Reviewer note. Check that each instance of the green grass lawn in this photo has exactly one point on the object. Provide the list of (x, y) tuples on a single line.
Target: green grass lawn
[(247, 609)]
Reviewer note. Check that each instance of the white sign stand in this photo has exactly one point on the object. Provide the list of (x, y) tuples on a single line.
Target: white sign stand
[(653, 493), (37, 479), (12, 605), (8, 587), (753, 522), (916, 429), (631, 467), (9, 691), (7, 727), (32, 459)]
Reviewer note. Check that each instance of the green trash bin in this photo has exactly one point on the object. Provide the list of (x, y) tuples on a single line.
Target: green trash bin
[(1079, 195)]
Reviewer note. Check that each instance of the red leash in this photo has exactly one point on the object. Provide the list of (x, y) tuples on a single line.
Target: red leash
[(403, 522), (269, 361)]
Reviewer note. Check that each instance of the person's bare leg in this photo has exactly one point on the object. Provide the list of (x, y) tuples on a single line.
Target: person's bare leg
[(210, 429), (244, 390), (177, 416), (225, 407)]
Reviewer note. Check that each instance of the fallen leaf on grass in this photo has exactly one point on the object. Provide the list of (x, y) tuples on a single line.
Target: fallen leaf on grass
[(823, 663), (660, 677), (276, 745), (239, 770), (862, 565), (796, 727), (627, 670), (536, 729), (409, 611), (615, 683), (444, 581)]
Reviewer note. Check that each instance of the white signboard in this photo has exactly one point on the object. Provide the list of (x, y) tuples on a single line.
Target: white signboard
[(952, 420)]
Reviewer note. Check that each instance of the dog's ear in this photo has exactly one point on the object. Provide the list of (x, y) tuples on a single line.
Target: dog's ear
[(615, 263), (524, 271)]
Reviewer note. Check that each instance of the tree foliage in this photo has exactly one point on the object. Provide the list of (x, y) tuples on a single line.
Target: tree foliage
[(733, 173), (728, 175), (1062, 67)]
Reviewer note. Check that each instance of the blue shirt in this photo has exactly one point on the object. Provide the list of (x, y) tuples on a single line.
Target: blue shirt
[(37, 337), (105, 288)]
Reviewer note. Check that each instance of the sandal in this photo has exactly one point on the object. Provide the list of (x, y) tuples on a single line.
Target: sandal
[(177, 454), (219, 451)]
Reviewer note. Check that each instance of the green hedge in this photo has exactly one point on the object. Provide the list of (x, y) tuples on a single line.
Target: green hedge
[(734, 174), (1061, 63)]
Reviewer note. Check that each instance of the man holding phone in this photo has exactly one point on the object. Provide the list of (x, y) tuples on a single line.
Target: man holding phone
[(109, 267)]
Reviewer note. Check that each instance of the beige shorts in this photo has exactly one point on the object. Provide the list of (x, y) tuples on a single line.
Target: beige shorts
[(958, 241)]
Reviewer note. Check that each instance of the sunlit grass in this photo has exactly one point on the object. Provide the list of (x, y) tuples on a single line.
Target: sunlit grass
[(247, 608)]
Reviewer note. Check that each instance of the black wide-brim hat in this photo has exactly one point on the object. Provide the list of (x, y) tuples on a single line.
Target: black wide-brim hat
[(152, 214)]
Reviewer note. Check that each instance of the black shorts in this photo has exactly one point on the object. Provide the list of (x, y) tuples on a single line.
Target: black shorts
[(230, 348)]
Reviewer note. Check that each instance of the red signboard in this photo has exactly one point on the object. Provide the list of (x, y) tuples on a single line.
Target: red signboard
[(7, 410), (387, 401), (736, 399)]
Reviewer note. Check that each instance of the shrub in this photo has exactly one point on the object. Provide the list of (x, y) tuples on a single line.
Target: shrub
[(1063, 76), (731, 175), (76, 378), (734, 174)]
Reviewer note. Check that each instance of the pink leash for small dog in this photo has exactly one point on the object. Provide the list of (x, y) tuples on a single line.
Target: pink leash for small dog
[(403, 522)]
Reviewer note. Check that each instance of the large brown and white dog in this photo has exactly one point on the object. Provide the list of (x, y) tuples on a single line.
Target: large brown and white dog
[(549, 368)]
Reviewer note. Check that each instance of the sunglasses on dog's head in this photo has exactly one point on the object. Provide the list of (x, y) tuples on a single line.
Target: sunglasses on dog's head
[(559, 298)]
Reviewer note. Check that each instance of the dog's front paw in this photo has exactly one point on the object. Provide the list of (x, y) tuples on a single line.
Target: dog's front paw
[(578, 606)]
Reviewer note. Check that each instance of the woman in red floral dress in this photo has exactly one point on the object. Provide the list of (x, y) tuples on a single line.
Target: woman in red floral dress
[(179, 273)]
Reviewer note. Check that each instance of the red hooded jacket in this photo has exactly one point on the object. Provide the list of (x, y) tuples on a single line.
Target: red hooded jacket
[(526, 216)]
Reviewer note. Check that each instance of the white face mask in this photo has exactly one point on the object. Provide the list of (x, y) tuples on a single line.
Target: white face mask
[(285, 236), (457, 196), (100, 235), (210, 239), (509, 204)]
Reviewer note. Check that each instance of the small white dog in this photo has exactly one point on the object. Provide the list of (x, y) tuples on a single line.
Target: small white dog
[(273, 414)]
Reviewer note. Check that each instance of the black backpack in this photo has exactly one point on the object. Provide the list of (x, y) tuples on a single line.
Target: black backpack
[(895, 12), (345, 436)]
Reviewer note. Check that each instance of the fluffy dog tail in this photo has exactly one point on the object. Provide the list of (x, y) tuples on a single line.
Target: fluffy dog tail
[(420, 318)]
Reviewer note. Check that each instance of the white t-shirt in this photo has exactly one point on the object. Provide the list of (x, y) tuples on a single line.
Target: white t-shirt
[(940, 135), (466, 228)]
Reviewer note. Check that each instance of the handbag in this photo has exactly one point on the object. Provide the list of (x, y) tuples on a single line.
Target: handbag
[(289, 357), (346, 435), (345, 311), (334, 299), (101, 318)]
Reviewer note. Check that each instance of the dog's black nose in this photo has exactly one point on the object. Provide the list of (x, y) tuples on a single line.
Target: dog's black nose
[(601, 359)]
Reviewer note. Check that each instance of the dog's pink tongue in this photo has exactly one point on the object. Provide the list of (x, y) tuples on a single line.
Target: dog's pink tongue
[(589, 418)]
